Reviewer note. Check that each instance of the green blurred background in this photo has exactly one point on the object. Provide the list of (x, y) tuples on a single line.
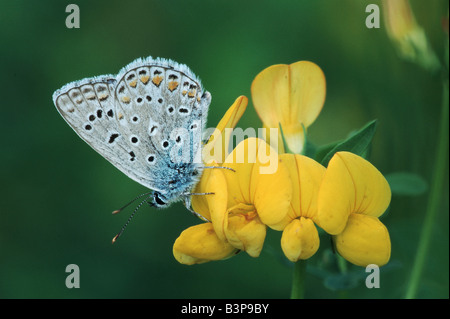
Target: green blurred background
[(57, 193)]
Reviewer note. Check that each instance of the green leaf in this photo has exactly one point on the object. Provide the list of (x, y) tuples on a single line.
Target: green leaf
[(358, 143), (338, 282), (323, 150), (406, 184)]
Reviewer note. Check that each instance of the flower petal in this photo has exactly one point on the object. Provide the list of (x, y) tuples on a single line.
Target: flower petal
[(365, 240), (217, 203), (241, 160), (217, 147), (199, 202), (300, 239), (273, 194), (259, 179), (251, 158), (246, 232), (306, 175), (350, 185), (199, 244), (291, 95), (212, 206)]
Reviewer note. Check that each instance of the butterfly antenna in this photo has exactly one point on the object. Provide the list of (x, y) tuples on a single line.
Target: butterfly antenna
[(128, 204), (129, 219)]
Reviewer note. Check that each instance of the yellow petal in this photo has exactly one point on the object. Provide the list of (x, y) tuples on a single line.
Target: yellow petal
[(291, 95), (272, 195), (306, 175), (294, 138), (274, 138), (212, 206), (246, 232), (260, 179), (365, 240), (300, 239), (409, 37), (350, 185), (241, 160), (217, 202), (199, 202), (400, 20), (199, 244), (217, 147)]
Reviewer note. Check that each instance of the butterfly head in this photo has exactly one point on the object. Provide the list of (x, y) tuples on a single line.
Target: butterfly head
[(159, 200)]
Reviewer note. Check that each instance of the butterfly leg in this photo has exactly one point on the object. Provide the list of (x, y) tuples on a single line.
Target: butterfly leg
[(223, 167)]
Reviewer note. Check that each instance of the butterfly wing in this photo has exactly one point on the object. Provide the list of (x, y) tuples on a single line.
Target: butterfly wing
[(159, 105), (88, 106), (130, 119)]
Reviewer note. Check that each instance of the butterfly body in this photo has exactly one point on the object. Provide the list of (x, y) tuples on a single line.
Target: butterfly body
[(147, 121)]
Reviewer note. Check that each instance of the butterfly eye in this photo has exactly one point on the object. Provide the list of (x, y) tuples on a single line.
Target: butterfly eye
[(158, 198)]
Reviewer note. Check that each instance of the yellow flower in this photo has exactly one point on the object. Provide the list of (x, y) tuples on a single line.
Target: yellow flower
[(352, 195), (300, 239), (200, 243), (409, 38), (254, 194), (291, 95), (259, 194)]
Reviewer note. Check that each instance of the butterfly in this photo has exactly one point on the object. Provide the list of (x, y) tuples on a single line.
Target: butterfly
[(147, 121)]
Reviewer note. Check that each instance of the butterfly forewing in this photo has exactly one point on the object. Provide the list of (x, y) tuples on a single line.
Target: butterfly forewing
[(141, 119)]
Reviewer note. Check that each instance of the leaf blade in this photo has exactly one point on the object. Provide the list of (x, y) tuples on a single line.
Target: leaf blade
[(357, 143)]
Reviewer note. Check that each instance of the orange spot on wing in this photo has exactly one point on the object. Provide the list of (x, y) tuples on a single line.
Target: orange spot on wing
[(125, 99), (157, 80), (192, 93), (145, 78), (133, 83), (173, 85)]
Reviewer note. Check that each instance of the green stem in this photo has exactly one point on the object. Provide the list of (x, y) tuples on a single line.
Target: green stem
[(298, 280), (434, 199), (343, 268), (342, 264)]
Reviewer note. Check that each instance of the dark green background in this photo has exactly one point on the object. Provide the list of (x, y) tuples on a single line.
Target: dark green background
[(57, 193)]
